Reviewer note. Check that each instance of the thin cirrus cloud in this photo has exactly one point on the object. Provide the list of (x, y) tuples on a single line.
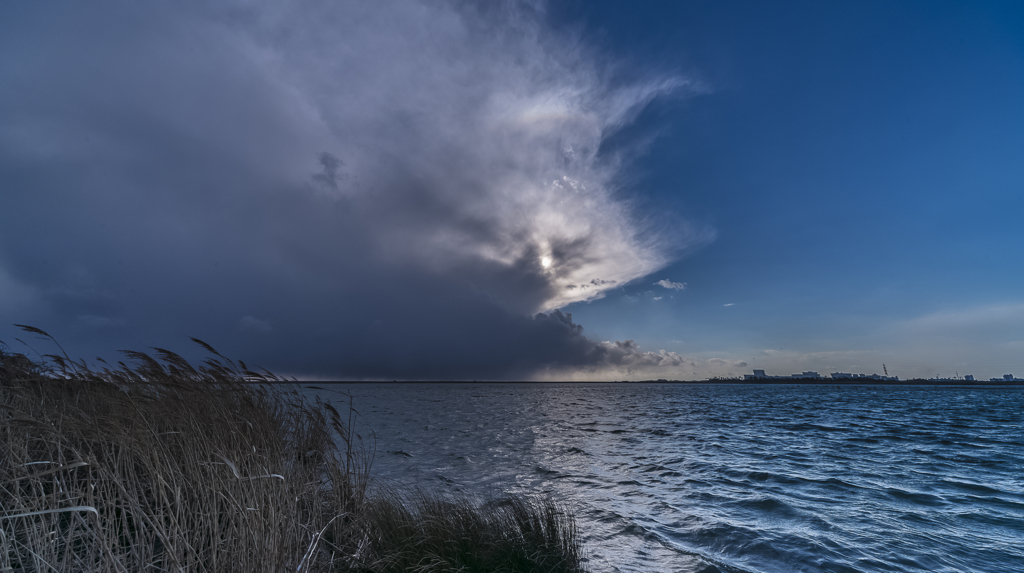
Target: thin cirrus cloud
[(398, 188), (665, 283)]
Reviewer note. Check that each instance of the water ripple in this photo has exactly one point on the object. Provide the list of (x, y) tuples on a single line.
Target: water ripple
[(731, 479)]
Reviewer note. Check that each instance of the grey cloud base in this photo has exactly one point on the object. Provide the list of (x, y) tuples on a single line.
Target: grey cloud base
[(342, 189)]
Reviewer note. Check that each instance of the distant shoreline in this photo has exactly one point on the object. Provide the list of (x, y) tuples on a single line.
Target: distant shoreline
[(769, 382)]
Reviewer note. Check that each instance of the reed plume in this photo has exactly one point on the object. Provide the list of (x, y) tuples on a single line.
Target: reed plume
[(166, 466)]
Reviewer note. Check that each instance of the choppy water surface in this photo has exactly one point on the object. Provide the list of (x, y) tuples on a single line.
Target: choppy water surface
[(711, 478)]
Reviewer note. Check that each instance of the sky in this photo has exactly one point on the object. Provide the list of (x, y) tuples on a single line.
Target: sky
[(565, 190)]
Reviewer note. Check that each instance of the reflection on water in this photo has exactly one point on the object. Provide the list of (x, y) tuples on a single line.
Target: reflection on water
[(730, 478)]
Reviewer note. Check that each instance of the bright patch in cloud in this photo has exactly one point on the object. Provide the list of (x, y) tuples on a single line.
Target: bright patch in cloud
[(367, 179)]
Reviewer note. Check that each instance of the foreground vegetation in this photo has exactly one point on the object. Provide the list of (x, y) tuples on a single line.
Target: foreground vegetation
[(163, 466)]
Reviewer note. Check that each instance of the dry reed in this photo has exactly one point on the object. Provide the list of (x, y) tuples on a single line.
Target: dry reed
[(163, 466), (431, 533)]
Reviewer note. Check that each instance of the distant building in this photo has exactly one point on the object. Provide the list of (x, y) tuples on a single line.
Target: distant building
[(849, 376), (812, 375)]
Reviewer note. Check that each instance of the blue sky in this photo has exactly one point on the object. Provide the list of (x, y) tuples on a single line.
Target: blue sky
[(860, 163), (430, 189)]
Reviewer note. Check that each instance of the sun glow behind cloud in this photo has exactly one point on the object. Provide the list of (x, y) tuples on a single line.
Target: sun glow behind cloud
[(505, 136), (361, 180)]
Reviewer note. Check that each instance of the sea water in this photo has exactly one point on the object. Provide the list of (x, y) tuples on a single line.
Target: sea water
[(745, 478)]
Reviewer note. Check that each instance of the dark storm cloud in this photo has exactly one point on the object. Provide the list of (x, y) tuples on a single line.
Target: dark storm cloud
[(347, 189)]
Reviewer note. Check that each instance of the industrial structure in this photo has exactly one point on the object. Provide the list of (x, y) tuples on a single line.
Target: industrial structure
[(760, 375)]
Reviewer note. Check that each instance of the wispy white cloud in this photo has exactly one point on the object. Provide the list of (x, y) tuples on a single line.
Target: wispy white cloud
[(671, 285), (978, 340), (985, 317)]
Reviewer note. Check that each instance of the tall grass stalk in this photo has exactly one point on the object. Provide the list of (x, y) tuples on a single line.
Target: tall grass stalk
[(166, 466)]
